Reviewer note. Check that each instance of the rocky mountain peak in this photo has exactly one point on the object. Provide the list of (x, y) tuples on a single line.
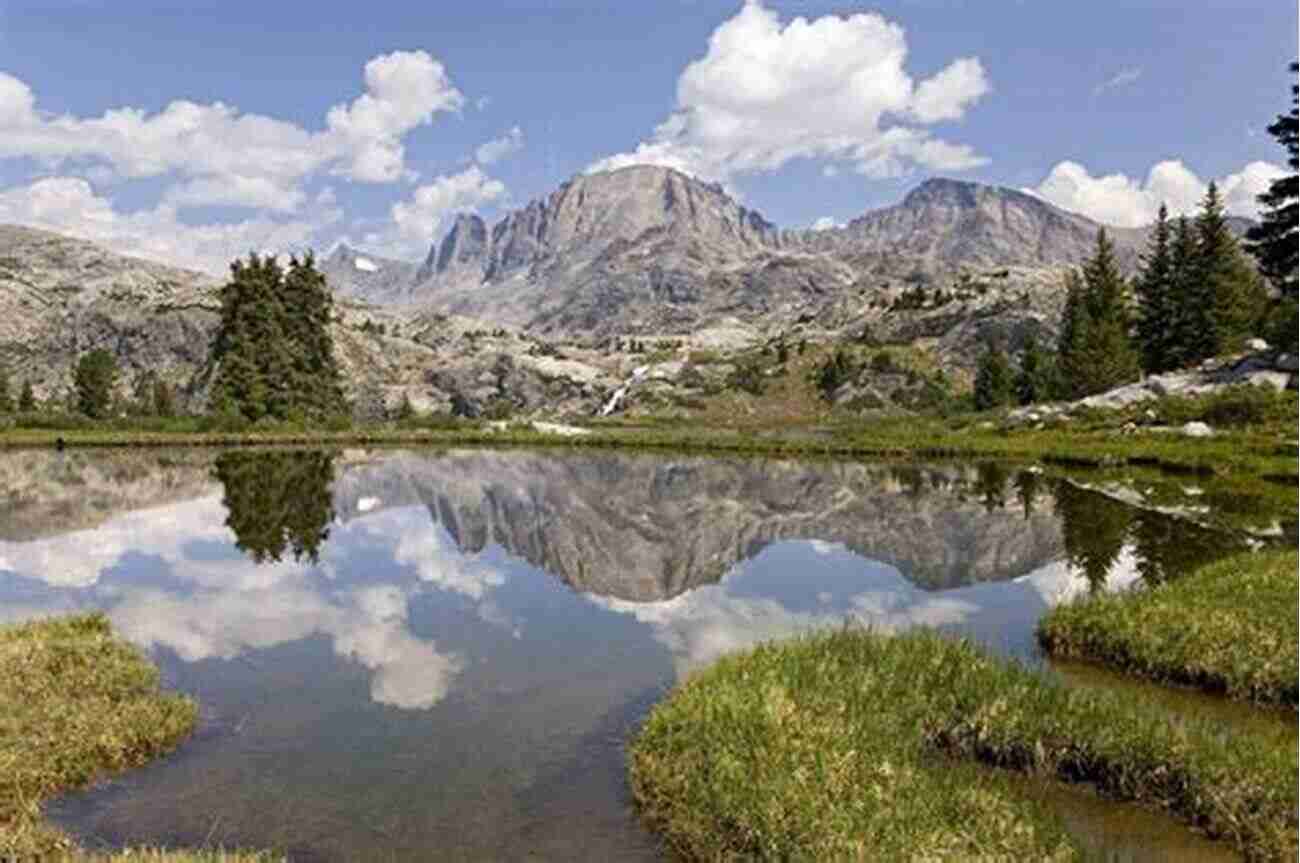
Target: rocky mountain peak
[(464, 248)]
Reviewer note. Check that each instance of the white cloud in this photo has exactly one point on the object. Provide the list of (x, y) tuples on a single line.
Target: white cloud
[(221, 156), (1117, 199), (417, 220), (499, 148), (404, 90), (1122, 78), (71, 206), (825, 223), (834, 88)]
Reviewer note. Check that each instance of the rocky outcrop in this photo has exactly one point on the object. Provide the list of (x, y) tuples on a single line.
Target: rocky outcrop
[(1262, 368)]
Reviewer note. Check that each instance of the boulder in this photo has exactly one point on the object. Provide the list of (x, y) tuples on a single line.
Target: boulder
[(1256, 345), (1197, 429), (1286, 363)]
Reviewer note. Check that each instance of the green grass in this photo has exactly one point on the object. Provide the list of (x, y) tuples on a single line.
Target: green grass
[(1229, 628), (78, 703), (1260, 454), (856, 745)]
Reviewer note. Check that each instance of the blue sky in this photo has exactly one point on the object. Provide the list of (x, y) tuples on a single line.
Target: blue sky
[(220, 135)]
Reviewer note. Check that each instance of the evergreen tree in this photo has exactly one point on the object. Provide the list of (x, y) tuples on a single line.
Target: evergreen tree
[(1096, 352), (1035, 382), (27, 398), (273, 350), (1070, 343), (1154, 287), (1229, 284), (94, 380), (405, 410), (6, 400), (1188, 306), (993, 380), (1273, 242)]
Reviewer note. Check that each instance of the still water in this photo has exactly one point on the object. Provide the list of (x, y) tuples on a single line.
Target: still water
[(406, 655)]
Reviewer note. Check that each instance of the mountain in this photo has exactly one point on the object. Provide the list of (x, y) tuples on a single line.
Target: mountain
[(649, 250), (366, 277), (61, 297)]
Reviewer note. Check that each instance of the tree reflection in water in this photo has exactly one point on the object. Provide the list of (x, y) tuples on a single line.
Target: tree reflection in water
[(1096, 528), (277, 502)]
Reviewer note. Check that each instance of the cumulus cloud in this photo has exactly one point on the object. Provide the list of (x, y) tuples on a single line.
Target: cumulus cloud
[(825, 223), (1117, 199), (834, 88), (417, 220), (498, 148), (71, 206), (222, 156)]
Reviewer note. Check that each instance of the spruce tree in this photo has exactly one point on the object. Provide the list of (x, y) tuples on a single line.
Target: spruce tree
[(273, 350), (1096, 353), (94, 379), (6, 400), (993, 380), (1273, 242), (164, 404), (1035, 379), (1229, 284), (1154, 287), (1186, 303), (1070, 343), (27, 398)]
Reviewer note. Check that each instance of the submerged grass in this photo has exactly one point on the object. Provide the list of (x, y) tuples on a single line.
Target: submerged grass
[(857, 745), (76, 703), (1229, 627)]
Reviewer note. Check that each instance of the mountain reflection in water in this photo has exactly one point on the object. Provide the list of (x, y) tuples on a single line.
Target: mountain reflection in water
[(453, 645)]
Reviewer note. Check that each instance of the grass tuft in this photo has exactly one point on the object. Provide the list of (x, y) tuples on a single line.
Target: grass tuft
[(1229, 628), (856, 745), (77, 703)]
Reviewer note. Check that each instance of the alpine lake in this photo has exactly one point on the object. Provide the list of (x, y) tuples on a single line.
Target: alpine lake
[(441, 654)]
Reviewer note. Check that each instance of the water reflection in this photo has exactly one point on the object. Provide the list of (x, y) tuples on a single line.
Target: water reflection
[(439, 643), (277, 501)]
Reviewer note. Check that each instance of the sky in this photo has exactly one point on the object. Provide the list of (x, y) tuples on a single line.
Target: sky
[(195, 131)]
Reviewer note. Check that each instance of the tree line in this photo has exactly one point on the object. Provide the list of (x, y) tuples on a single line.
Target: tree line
[(1197, 294)]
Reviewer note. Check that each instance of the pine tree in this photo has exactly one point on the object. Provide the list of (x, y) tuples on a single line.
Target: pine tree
[(27, 398), (993, 381), (1188, 306), (273, 350), (1229, 284), (1154, 287), (1096, 353), (95, 378), (6, 400), (1070, 343), (1035, 380), (1273, 242)]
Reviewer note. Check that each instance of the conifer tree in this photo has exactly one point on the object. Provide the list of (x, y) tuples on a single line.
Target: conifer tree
[(1074, 333), (273, 350), (1096, 351), (1229, 284), (1190, 311), (1035, 379), (27, 398), (993, 380), (94, 379), (1273, 242), (6, 400), (1154, 287)]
